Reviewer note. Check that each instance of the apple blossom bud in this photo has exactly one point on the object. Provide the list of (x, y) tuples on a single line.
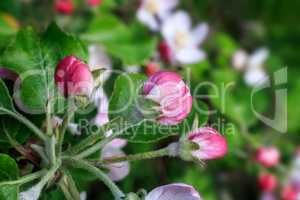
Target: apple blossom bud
[(152, 68), (8, 74), (203, 144), (288, 193), (176, 191), (267, 182), (94, 3), (73, 77), (65, 7), (168, 90), (165, 52), (267, 156)]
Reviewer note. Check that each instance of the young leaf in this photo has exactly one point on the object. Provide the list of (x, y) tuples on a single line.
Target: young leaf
[(8, 171), (34, 59), (124, 102)]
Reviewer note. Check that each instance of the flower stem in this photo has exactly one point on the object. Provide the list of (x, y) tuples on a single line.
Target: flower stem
[(140, 156), (94, 138), (69, 115), (26, 122), (25, 179), (98, 145), (118, 194)]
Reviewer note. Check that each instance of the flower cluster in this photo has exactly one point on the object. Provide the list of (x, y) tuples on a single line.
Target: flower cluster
[(180, 41)]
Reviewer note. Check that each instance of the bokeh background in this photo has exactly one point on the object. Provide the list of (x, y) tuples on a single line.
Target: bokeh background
[(234, 25)]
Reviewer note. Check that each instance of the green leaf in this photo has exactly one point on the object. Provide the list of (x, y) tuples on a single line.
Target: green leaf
[(125, 98), (5, 99), (34, 58), (131, 44), (8, 171)]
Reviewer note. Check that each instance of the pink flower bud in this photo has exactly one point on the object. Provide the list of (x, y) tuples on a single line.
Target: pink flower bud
[(8, 74), (165, 52), (267, 182), (169, 91), (288, 193), (73, 77), (267, 156), (176, 191), (212, 145), (65, 7), (94, 2), (152, 68)]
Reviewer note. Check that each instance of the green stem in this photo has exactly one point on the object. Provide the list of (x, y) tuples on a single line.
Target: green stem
[(50, 174), (48, 119), (95, 147), (26, 122), (94, 138), (25, 179), (65, 190), (68, 186), (140, 156), (118, 194), (69, 115)]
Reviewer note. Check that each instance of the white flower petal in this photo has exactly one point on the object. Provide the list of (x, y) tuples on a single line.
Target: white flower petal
[(257, 59), (177, 191), (180, 21), (190, 55), (148, 19), (31, 194), (83, 196), (255, 77), (239, 59), (200, 33), (99, 60)]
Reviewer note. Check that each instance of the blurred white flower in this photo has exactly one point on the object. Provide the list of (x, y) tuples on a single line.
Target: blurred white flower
[(31, 194), (182, 40), (117, 171), (153, 12), (83, 196), (253, 65), (98, 59)]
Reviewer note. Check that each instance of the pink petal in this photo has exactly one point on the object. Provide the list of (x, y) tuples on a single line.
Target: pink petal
[(177, 191), (212, 145)]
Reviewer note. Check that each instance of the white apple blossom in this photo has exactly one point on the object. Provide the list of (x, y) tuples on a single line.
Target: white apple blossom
[(253, 65), (98, 59), (32, 193), (182, 39), (153, 12)]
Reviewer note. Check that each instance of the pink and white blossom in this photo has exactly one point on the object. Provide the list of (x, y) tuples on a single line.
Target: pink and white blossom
[(175, 191), (73, 77), (171, 94), (153, 12), (117, 171), (182, 39), (212, 145), (268, 196), (267, 156)]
